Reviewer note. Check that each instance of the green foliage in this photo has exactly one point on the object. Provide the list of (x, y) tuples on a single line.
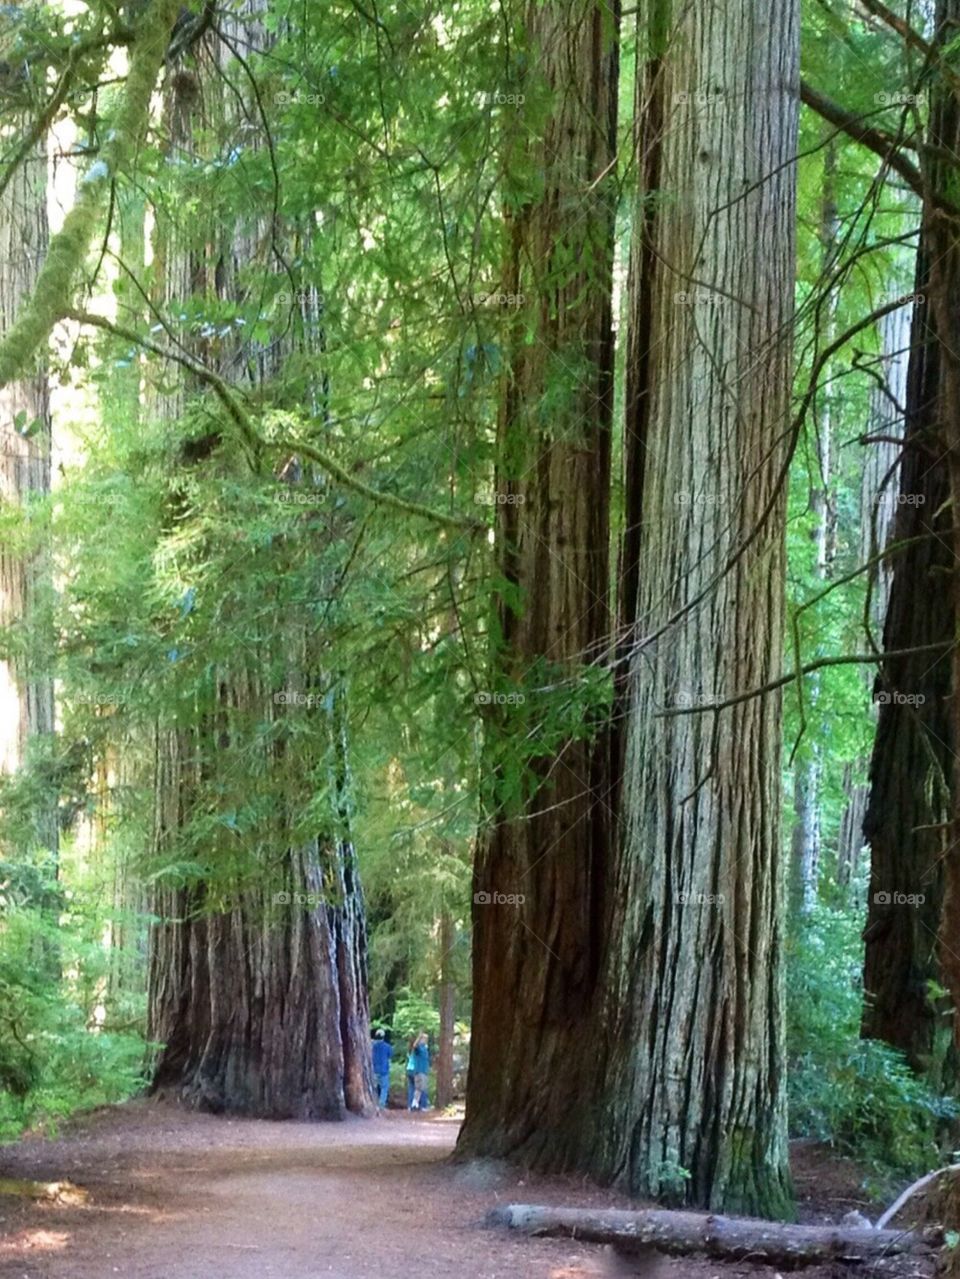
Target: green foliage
[(412, 1014), (62, 1047), (859, 1095)]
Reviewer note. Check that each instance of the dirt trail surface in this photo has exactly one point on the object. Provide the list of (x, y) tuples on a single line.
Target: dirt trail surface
[(157, 1192)]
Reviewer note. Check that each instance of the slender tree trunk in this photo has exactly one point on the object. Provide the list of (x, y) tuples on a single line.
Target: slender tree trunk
[(447, 1012), (879, 487), (808, 769), (26, 686), (693, 1091), (536, 963)]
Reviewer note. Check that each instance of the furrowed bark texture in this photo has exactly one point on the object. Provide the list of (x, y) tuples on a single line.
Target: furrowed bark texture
[(693, 1096), (911, 766), (258, 989), (940, 238), (911, 925), (26, 690), (535, 965)]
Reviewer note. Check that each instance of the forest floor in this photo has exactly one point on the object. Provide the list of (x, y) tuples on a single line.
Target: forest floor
[(157, 1192)]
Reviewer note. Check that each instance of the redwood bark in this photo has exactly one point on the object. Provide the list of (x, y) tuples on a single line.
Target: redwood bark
[(258, 991), (536, 964), (911, 771), (692, 1102), (940, 237)]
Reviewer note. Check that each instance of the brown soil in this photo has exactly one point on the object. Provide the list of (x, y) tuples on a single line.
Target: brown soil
[(161, 1193)]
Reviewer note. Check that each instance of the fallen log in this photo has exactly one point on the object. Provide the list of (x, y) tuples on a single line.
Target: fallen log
[(721, 1238)]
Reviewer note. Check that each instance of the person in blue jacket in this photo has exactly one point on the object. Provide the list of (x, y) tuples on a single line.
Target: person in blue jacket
[(382, 1052), (418, 1068)]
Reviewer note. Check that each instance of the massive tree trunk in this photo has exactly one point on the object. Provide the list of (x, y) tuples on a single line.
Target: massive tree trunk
[(911, 772), (259, 995), (693, 1096), (26, 685), (536, 963), (940, 237), (257, 981)]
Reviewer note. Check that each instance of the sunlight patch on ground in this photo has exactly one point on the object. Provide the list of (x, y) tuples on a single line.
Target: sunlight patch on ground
[(64, 1192), (35, 1241)]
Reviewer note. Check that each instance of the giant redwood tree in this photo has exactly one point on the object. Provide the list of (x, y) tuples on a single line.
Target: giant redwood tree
[(536, 964), (257, 993), (693, 1097)]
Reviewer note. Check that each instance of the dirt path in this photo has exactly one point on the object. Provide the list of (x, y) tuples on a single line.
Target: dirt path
[(176, 1195)]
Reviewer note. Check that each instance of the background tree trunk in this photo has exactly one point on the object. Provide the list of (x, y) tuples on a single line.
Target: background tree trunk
[(693, 1101), (879, 484), (911, 768), (447, 1012), (26, 686), (807, 837), (535, 965)]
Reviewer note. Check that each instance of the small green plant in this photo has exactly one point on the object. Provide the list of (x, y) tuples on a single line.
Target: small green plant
[(858, 1094), (61, 1049)]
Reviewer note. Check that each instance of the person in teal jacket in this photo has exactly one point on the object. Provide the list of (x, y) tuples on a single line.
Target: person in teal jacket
[(418, 1068)]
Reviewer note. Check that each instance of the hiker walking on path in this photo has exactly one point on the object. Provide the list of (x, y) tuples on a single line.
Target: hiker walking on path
[(418, 1067), (382, 1052)]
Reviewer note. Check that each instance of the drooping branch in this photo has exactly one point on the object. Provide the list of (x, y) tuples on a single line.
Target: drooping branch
[(52, 295), (881, 143), (43, 121), (291, 443), (822, 663)]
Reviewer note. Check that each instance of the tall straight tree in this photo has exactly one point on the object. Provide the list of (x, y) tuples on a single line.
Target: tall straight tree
[(911, 822), (693, 1095), (26, 691), (258, 1010), (910, 771), (536, 965)]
